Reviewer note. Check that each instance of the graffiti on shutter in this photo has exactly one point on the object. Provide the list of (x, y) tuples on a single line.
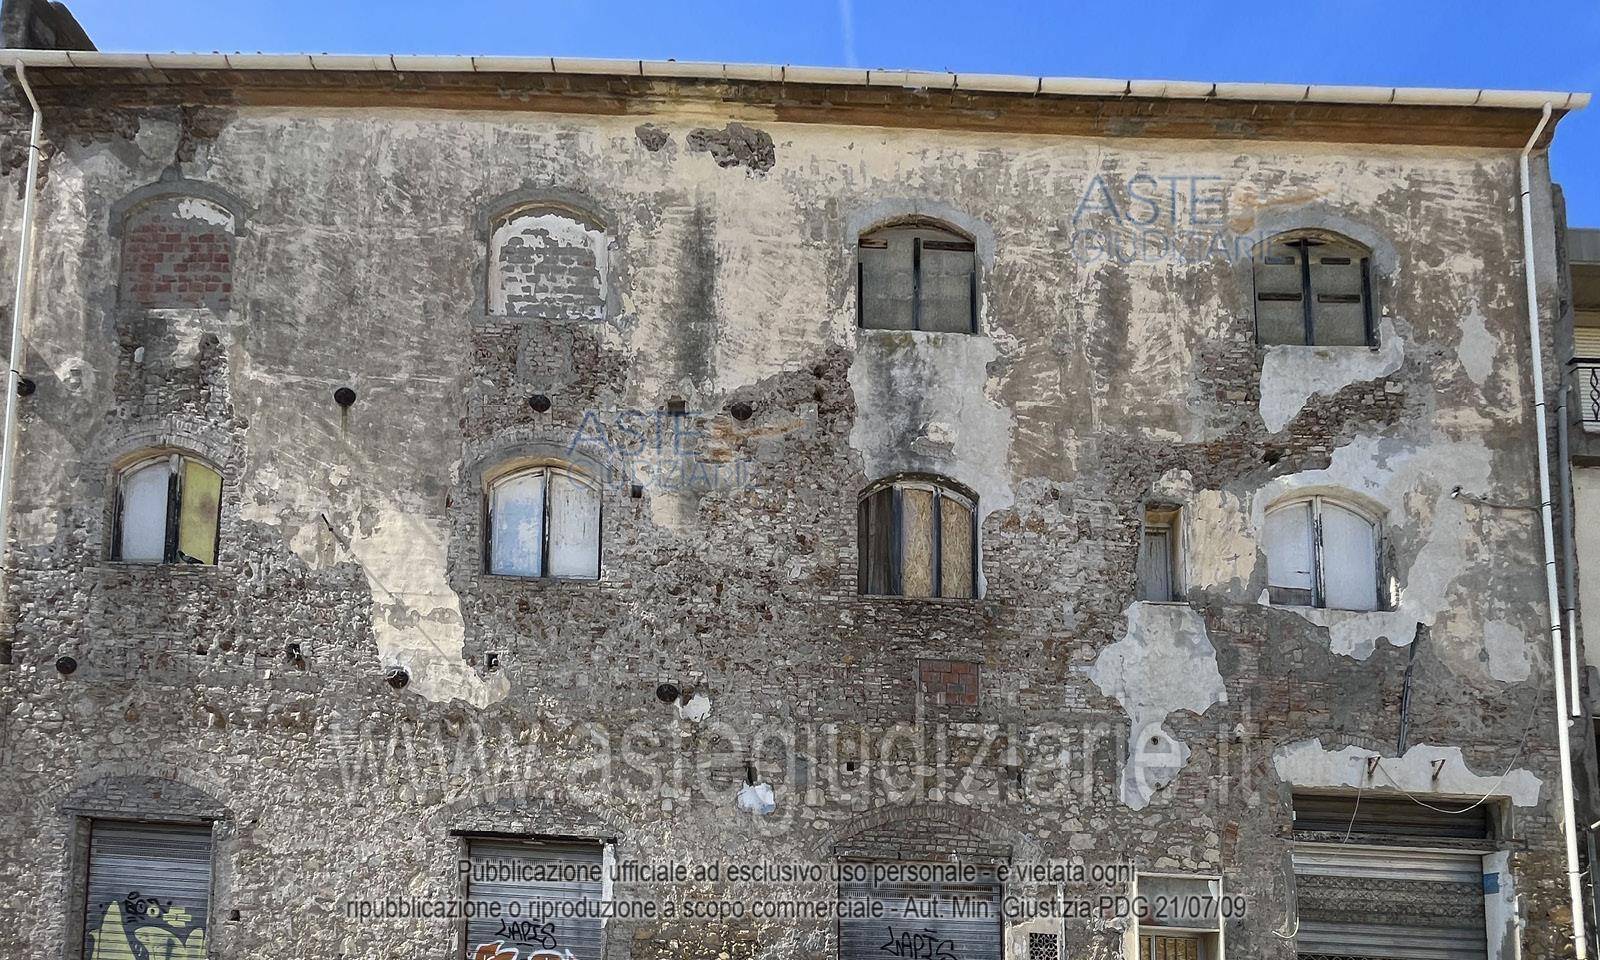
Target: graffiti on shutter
[(919, 921), (534, 899), (149, 892)]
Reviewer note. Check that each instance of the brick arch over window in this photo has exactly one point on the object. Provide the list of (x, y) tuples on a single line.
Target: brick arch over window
[(549, 257), (179, 246)]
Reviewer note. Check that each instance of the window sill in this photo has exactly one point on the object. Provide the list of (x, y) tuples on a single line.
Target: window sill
[(513, 579), (1368, 347), (537, 317), (1301, 607), (887, 332), (152, 571), (900, 598)]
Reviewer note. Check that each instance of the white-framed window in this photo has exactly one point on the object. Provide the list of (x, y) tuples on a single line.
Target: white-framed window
[(168, 510), (1313, 289), (1161, 554), (918, 538), (1177, 917), (1322, 552), (543, 521), (920, 275)]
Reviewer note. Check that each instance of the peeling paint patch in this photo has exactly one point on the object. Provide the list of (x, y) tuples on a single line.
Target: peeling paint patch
[(193, 208), (1305, 763), (756, 798), (1406, 484), (1508, 651), (1292, 375), (735, 145), (696, 710), (1163, 663), (1478, 347)]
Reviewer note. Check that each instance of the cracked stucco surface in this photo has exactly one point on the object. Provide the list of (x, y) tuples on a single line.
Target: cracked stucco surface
[(1163, 663)]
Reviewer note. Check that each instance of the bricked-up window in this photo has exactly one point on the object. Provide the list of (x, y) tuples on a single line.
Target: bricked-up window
[(1160, 555), (168, 510), (1322, 553), (1313, 289), (548, 262), (917, 276), (950, 683), (177, 252), (544, 521), (918, 538)]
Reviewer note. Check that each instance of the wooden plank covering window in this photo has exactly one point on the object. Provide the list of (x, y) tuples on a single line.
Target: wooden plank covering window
[(929, 920), (149, 891), (530, 896), (200, 504)]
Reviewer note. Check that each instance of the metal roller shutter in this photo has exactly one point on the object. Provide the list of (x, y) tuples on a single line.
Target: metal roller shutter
[(149, 892), (922, 921), (1381, 902), (535, 895)]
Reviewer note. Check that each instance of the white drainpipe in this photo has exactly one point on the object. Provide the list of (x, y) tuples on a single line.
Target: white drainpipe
[(1580, 939), (19, 312)]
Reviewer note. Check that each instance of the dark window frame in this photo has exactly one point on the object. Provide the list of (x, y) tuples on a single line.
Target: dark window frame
[(170, 553), (957, 242), (1303, 243), (893, 489)]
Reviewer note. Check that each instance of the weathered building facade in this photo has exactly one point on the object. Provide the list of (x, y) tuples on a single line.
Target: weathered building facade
[(699, 476)]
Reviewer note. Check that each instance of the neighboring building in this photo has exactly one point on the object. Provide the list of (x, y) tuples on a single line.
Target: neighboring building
[(465, 481)]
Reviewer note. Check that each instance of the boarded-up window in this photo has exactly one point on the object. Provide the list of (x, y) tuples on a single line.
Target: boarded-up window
[(1159, 555), (548, 262), (544, 521), (534, 898), (1321, 553), (168, 511), (1313, 290), (917, 277), (917, 540), (148, 892)]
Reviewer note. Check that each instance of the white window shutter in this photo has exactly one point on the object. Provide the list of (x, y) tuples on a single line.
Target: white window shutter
[(574, 528), (144, 513), (1289, 552), (1349, 559), (516, 518)]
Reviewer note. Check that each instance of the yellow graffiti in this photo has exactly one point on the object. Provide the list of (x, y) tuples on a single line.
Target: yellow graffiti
[(137, 939)]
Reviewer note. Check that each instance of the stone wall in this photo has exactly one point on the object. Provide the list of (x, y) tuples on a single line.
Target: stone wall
[(1098, 381)]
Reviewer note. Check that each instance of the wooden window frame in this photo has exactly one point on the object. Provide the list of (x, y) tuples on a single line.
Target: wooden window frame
[(170, 553), (955, 243), (1169, 518), (1318, 580), (1303, 243), (896, 487), (547, 469)]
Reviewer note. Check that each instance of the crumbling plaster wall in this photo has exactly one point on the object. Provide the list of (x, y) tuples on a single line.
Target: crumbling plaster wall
[(1091, 387)]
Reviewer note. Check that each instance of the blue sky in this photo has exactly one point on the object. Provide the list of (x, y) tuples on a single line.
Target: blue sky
[(1534, 44)]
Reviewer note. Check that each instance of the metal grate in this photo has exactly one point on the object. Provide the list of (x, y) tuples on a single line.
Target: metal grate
[(1156, 947), (1044, 946)]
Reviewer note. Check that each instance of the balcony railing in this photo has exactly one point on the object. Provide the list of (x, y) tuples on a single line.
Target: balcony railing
[(1586, 383)]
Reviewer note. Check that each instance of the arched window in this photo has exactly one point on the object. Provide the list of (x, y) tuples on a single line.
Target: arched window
[(1314, 289), (544, 521), (1322, 553), (168, 511), (177, 252), (918, 538), (917, 276), (548, 261)]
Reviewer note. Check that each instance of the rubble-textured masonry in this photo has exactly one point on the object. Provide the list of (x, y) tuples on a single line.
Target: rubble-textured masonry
[(602, 273)]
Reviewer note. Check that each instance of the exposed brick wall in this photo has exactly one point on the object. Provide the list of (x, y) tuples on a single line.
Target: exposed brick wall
[(177, 252)]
